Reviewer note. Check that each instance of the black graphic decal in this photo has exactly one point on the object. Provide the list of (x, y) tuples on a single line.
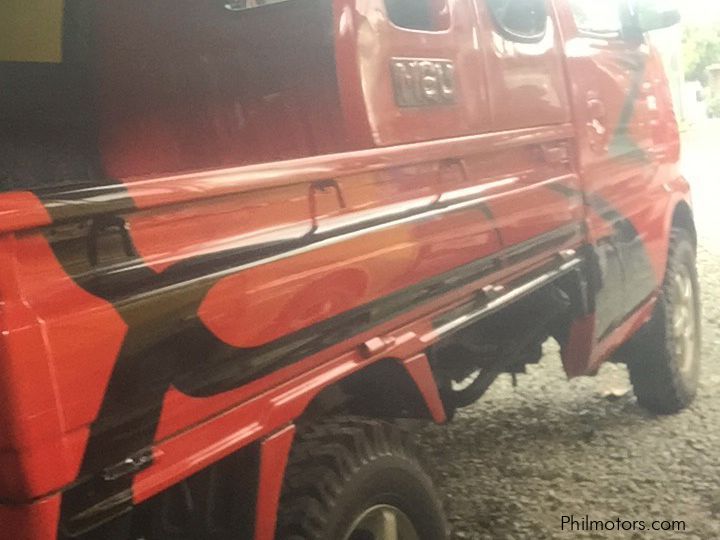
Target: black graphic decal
[(168, 345), (627, 274)]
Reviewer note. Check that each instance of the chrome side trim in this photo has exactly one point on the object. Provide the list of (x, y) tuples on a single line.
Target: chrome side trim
[(494, 304)]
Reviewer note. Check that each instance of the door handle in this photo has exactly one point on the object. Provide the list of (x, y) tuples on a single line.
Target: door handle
[(597, 127), (597, 114), (596, 109)]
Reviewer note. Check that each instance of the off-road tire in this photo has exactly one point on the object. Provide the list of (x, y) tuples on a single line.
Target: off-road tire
[(660, 385), (341, 468)]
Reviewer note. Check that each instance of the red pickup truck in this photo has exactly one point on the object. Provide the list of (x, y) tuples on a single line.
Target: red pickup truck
[(240, 241)]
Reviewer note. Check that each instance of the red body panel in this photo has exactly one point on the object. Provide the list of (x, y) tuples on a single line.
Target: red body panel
[(257, 232), (628, 152)]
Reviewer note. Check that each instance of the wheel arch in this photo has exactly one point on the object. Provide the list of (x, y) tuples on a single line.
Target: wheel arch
[(678, 215), (683, 218), (388, 388)]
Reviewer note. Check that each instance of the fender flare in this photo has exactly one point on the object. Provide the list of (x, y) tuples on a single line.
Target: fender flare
[(275, 448)]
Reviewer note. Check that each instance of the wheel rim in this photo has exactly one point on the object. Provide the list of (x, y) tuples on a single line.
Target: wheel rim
[(467, 382), (684, 324), (382, 522)]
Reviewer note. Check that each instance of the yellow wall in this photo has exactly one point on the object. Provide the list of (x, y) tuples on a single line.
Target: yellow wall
[(31, 30)]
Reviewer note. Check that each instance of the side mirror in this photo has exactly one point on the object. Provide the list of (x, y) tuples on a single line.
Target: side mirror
[(651, 15)]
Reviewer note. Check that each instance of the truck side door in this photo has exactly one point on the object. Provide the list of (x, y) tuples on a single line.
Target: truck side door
[(540, 207), (615, 105)]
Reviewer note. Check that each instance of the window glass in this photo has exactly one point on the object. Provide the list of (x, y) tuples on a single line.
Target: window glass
[(523, 20), (597, 16), (428, 15)]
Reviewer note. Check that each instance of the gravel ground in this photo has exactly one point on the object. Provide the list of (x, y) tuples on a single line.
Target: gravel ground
[(512, 465)]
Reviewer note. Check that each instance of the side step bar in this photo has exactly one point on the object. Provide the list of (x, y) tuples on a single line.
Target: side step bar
[(493, 298)]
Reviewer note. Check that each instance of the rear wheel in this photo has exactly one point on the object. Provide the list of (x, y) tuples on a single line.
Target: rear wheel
[(664, 358), (356, 479)]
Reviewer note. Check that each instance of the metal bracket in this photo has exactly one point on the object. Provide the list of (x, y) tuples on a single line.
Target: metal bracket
[(102, 224), (131, 465), (322, 186)]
